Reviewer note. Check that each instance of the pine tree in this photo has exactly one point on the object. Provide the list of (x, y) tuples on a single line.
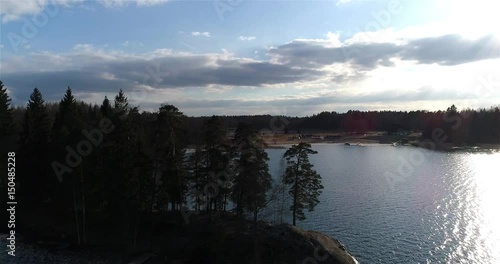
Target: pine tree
[(68, 121), (217, 158), (36, 122), (117, 160), (33, 166), (67, 131), (305, 183), (253, 180), (121, 104), (106, 108), (170, 150), (6, 123)]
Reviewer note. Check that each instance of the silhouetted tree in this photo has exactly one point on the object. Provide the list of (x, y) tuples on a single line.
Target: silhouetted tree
[(252, 181), (198, 178), (305, 183), (33, 164), (171, 150), (217, 157), (67, 131), (6, 122), (106, 108)]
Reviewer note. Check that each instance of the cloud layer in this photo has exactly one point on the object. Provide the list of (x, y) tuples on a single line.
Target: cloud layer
[(325, 66), (442, 50)]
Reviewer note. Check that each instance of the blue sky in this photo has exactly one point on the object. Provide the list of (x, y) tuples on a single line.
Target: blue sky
[(254, 57)]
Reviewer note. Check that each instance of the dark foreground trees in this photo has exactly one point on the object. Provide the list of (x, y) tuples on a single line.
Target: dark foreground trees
[(253, 180), (6, 122), (305, 183), (140, 165), (74, 174), (33, 165)]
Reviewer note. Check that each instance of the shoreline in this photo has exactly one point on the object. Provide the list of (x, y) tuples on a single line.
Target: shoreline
[(190, 242), (282, 142)]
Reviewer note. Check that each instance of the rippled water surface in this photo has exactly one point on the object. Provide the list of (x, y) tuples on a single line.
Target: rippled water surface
[(387, 205), (407, 205)]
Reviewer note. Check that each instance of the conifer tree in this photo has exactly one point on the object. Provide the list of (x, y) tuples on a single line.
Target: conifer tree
[(6, 123), (253, 180), (305, 183), (171, 149), (106, 108), (33, 165)]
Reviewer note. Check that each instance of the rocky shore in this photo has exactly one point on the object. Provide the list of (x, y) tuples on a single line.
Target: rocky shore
[(234, 241), (203, 239)]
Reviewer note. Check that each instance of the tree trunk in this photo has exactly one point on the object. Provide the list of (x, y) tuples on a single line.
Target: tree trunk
[(137, 221), (255, 238), (239, 206), (76, 213), (225, 202), (294, 201), (83, 207), (295, 189)]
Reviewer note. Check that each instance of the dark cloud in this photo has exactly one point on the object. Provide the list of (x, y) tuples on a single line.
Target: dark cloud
[(53, 84), (95, 71), (313, 54), (101, 74), (451, 50), (443, 50)]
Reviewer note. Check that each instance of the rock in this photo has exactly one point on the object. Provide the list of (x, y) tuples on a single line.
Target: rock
[(237, 241)]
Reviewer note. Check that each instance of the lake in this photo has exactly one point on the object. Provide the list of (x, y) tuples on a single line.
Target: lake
[(406, 205), (386, 205)]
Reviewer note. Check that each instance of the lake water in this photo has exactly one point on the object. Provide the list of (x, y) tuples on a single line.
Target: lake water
[(438, 208), (386, 205)]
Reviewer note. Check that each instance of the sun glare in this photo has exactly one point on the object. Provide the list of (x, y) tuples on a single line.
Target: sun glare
[(488, 184), (474, 17)]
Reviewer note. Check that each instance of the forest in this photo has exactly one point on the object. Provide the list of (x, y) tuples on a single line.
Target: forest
[(85, 172), (107, 168)]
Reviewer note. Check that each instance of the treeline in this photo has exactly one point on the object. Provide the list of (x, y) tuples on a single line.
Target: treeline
[(467, 126), (99, 169)]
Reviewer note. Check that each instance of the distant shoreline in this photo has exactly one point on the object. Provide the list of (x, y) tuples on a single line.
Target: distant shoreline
[(282, 141)]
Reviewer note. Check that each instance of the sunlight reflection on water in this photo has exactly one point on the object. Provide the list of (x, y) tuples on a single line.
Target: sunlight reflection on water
[(445, 212)]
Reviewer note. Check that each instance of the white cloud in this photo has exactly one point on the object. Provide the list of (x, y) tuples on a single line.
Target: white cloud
[(246, 38), (122, 3), (132, 44), (340, 2), (12, 10), (149, 2), (83, 47), (201, 34)]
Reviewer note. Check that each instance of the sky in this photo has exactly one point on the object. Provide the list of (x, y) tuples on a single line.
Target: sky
[(232, 57)]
